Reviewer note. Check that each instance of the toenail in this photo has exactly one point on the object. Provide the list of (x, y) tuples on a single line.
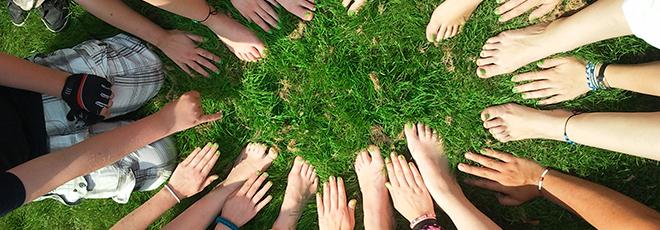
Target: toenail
[(514, 90), (539, 63), (482, 151), (482, 71), (487, 116)]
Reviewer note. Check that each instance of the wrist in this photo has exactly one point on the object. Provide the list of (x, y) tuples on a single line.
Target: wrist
[(158, 38), (421, 218)]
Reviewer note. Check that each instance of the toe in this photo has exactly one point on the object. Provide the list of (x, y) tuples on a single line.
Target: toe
[(428, 131), (441, 33), (297, 165), (488, 53), (345, 3), (488, 71), (304, 168), (260, 149), (272, 153), (421, 131), (486, 61), (493, 123), (432, 30), (374, 153), (410, 130), (311, 173)]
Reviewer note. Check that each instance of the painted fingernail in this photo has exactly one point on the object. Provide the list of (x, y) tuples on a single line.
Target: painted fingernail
[(495, 11), (265, 174), (482, 151), (401, 157), (498, 1), (500, 18), (217, 152), (539, 63), (513, 79), (482, 71), (308, 15), (514, 90)]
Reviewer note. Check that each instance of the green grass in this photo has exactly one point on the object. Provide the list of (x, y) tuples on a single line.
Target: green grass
[(314, 96)]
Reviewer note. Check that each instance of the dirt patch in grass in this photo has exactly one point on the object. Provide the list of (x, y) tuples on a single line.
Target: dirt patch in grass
[(374, 79), (448, 58), (299, 32)]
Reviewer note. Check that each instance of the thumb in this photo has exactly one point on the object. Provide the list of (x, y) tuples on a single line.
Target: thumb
[(351, 209), (210, 180), (195, 38)]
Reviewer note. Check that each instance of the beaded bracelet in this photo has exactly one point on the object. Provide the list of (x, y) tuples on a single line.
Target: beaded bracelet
[(545, 172)]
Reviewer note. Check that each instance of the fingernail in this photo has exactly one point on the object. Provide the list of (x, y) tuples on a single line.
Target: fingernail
[(331, 178), (513, 79), (514, 90), (308, 15), (265, 174), (217, 152), (269, 31), (461, 167), (387, 160), (352, 203), (339, 179), (468, 155), (487, 116), (482, 151), (495, 11), (482, 71), (539, 63), (401, 157), (500, 19), (498, 1), (209, 144)]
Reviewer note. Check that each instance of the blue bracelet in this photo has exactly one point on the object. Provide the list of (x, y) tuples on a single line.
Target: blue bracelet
[(566, 139), (225, 222)]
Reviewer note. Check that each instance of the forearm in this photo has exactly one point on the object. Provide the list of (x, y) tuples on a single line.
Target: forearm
[(630, 133), (21, 74), (148, 212), (461, 211), (193, 9), (43, 174), (590, 24), (641, 78), (600, 206), (118, 14), (204, 211)]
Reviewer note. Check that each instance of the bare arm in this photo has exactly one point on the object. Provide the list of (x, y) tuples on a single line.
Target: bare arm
[(631, 133), (45, 173), (461, 211), (148, 212), (193, 9), (641, 78), (201, 214), (21, 74), (602, 207)]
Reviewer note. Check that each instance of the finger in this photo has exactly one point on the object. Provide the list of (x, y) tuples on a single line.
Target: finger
[(419, 180), (262, 192), (206, 157), (186, 161), (195, 38), (210, 163), (198, 157), (530, 76), (257, 184), (345, 3), (507, 200), (208, 55), (397, 170), (210, 180), (478, 171), (549, 63), (357, 5), (485, 161), (374, 152), (508, 6), (327, 205), (333, 194), (273, 3), (263, 203), (498, 155), (319, 204), (541, 10), (256, 18), (532, 86), (246, 186), (391, 175), (184, 67), (542, 93), (341, 192), (351, 210), (486, 184), (210, 117), (193, 65), (204, 62), (407, 174), (552, 100), (269, 9)]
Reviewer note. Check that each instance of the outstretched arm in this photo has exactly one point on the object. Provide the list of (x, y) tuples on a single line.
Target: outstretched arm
[(178, 46), (602, 207), (45, 173), (188, 179), (203, 212), (21, 74)]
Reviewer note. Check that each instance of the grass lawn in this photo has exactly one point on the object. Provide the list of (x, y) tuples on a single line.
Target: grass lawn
[(314, 96)]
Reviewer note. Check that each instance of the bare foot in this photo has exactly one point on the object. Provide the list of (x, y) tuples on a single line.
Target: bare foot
[(238, 38), (253, 158), (512, 49), (370, 170), (354, 6), (512, 122), (448, 19), (302, 184), (426, 148), (301, 8)]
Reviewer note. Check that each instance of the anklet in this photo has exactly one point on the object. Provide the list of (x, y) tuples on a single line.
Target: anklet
[(568, 140), (167, 186), (545, 172), (417, 220), (211, 12)]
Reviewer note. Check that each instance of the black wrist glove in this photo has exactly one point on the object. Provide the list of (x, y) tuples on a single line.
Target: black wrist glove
[(86, 95)]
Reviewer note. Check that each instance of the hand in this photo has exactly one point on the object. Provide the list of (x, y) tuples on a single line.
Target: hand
[(504, 169), (191, 176), (181, 47), (88, 96), (406, 186), (508, 196), (185, 112), (259, 12), (247, 202), (513, 8), (562, 79), (301, 8), (334, 212)]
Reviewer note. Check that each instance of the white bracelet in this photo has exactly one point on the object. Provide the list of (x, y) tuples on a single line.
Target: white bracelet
[(545, 172), (167, 186)]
